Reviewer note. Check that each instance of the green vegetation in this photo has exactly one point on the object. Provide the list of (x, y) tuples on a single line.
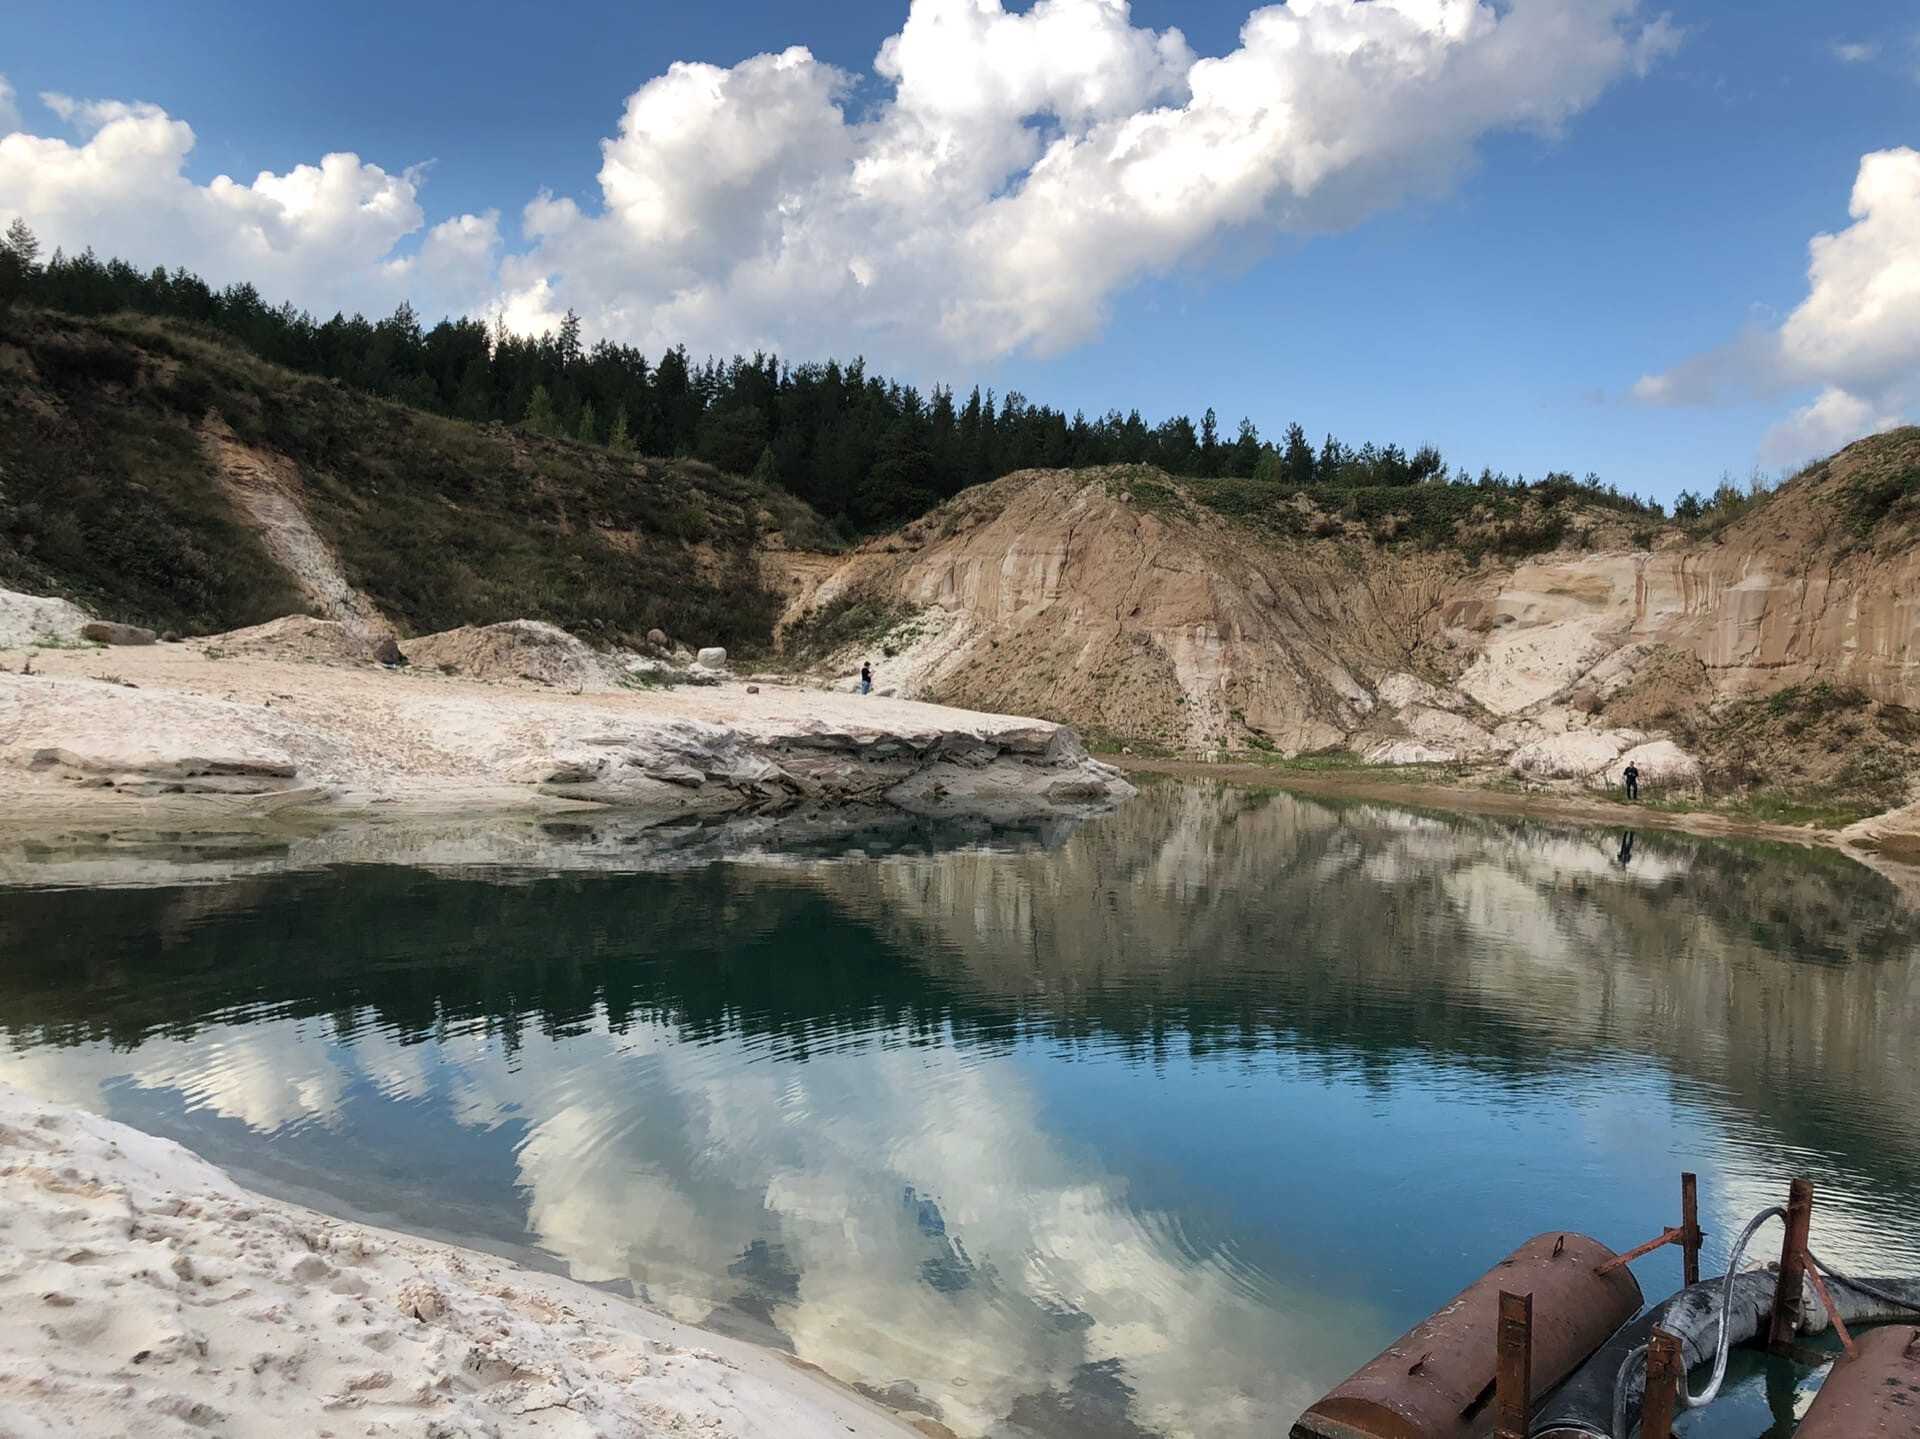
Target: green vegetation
[(859, 617), (1703, 516), (1885, 491), (1818, 753), (1490, 515), (108, 493), (113, 504), (867, 453)]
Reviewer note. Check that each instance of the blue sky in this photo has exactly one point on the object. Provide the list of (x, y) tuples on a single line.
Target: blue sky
[(1506, 318)]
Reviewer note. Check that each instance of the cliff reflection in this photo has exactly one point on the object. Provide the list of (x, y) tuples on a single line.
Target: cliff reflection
[(1096, 1132)]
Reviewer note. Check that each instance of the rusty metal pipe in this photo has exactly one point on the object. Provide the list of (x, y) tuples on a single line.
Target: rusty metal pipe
[(1437, 1380), (1584, 1406)]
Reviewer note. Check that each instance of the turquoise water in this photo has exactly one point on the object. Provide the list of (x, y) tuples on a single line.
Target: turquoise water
[(1160, 1125)]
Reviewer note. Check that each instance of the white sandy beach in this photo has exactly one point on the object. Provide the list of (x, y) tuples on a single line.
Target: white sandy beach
[(143, 1292)]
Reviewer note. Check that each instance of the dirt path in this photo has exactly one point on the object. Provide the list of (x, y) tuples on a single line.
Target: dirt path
[(1467, 799)]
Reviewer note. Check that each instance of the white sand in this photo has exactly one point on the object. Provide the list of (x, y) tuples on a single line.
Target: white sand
[(143, 1293), (164, 727)]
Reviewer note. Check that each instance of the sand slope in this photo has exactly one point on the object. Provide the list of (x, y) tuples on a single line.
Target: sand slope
[(143, 1292)]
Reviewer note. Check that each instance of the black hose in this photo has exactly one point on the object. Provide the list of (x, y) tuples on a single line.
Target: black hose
[(1846, 1281)]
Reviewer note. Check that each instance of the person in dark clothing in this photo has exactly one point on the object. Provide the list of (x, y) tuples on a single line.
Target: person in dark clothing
[(1626, 848), (866, 677), (1632, 778)]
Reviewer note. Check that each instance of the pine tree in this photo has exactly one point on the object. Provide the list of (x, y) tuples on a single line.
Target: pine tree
[(587, 431), (1247, 449), (1209, 444), (1296, 459), (569, 345), (618, 440), (21, 240), (540, 418)]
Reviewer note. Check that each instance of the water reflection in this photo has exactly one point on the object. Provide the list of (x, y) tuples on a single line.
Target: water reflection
[(1158, 1126)]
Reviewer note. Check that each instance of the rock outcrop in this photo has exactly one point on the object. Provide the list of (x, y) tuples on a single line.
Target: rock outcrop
[(283, 733)]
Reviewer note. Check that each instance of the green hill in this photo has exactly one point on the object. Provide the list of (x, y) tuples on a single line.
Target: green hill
[(112, 494)]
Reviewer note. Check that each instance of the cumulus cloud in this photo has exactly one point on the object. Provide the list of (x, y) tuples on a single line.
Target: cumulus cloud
[(1854, 52), (324, 236), (9, 111), (1028, 167), (1834, 419), (1855, 337), (999, 179)]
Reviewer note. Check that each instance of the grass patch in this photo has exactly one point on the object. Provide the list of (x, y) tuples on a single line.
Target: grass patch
[(1881, 496), (63, 642), (859, 617)]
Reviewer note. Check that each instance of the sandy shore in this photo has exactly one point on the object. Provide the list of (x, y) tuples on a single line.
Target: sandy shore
[(142, 1292), (1577, 809)]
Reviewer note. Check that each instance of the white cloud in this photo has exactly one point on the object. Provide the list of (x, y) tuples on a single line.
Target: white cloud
[(1856, 336), (1853, 52), (1028, 167), (9, 111), (1009, 175), (1834, 419), (323, 235)]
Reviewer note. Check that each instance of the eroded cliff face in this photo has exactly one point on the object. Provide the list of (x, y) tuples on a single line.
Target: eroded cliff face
[(1058, 592), (1092, 598)]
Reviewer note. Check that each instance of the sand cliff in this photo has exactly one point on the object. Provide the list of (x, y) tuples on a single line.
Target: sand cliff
[(1122, 605)]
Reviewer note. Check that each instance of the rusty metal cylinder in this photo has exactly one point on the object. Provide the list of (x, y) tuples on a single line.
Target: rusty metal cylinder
[(1437, 1380), (1873, 1395)]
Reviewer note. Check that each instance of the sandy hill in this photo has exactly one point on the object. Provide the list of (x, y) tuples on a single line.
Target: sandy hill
[(158, 476), (1548, 634)]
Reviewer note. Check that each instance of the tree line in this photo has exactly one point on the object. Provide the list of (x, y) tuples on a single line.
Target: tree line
[(865, 451)]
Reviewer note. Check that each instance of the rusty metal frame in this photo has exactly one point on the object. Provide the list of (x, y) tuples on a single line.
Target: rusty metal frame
[(1833, 1311), (1793, 1266), (1666, 1372), (1690, 1232), (1513, 1368), (1686, 1234)]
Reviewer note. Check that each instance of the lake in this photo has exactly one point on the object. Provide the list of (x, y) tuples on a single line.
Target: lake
[(1155, 1126)]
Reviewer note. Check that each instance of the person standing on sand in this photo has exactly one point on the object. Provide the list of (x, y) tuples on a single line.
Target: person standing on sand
[(866, 678), (1632, 777)]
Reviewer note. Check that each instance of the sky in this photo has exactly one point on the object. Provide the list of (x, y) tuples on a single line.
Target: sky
[(1656, 242)]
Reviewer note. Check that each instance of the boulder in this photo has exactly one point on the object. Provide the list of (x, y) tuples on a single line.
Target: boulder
[(31, 619), (1407, 751), (1398, 691), (1661, 762), (1446, 730), (105, 632), (1565, 756), (658, 639), (713, 657)]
